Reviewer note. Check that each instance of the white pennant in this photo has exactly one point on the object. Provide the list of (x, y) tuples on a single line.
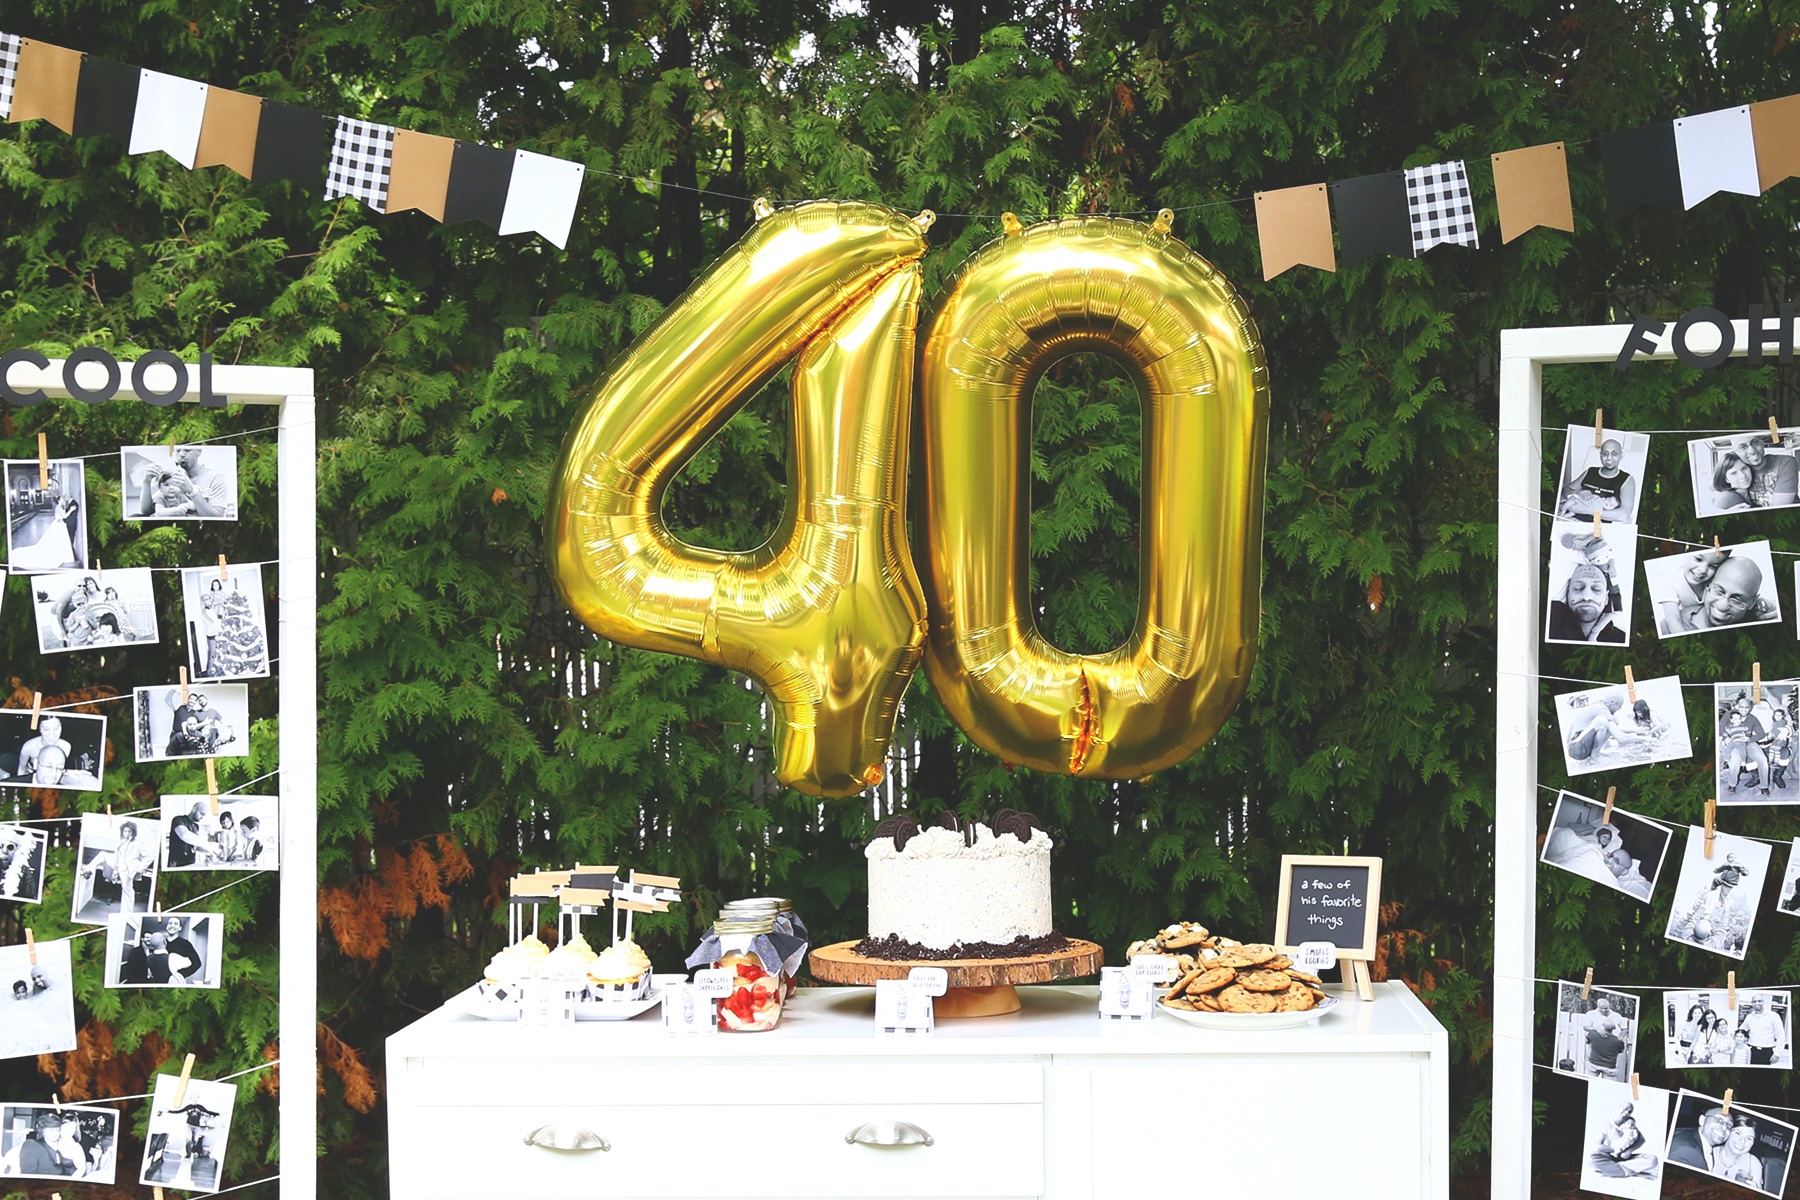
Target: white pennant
[(1717, 153), (541, 197), (169, 112)]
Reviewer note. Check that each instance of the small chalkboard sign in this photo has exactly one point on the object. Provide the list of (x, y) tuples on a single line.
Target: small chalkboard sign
[(1329, 899)]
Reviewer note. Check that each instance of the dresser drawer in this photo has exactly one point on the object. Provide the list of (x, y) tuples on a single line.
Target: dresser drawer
[(724, 1150)]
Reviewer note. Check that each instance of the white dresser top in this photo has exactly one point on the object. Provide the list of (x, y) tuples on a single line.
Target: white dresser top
[(839, 1022)]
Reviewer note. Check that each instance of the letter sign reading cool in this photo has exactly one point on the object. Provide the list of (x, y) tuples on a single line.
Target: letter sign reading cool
[(830, 615)]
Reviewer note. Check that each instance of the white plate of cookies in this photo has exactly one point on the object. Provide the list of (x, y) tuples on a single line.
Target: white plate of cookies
[(1225, 984)]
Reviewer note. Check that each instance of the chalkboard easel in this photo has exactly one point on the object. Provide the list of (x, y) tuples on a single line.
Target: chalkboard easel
[(1336, 899)]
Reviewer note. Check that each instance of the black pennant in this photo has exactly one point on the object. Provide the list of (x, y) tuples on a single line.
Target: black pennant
[(293, 143), (479, 179), (106, 98), (1641, 168), (1372, 216)]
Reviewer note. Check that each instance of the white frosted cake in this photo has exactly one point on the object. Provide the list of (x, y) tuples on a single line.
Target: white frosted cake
[(942, 887)]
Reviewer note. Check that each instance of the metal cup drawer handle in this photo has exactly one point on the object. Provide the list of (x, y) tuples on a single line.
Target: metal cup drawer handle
[(888, 1133), (560, 1137)]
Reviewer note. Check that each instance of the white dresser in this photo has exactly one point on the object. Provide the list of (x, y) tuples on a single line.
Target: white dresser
[(1046, 1102)]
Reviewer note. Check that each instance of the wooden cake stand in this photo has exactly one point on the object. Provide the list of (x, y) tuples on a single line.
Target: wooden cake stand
[(979, 987)]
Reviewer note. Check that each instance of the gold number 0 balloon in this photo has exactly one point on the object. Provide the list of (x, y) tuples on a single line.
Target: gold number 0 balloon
[(1137, 295), (828, 614)]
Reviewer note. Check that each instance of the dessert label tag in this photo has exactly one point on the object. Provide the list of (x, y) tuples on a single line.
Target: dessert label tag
[(1124, 996), (929, 981), (715, 983), (686, 1012), (1156, 968), (899, 1008), (545, 1003), (1315, 956)]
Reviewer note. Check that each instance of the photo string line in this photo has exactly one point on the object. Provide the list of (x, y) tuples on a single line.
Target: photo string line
[(159, 910), (1752, 1105), (147, 1095), (113, 454), (1642, 537), (1663, 824), (261, 562)]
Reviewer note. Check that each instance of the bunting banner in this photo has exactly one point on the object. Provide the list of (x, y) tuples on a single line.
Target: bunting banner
[(479, 179), (1775, 124), (362, 162), (1531, 188), (292, 143), (1439, 206), (228, 131), (421, 175), (1716, 152), (542, 197), (105, 98), (1294, 226), (1373, 216), (168, 116), (45, 88), (1641, 168)]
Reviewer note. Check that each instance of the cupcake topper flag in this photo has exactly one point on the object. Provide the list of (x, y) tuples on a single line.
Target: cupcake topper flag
[(644, 893), (536, 889), (588, 891)]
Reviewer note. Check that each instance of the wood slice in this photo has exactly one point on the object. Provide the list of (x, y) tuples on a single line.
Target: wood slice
[(841, 964)]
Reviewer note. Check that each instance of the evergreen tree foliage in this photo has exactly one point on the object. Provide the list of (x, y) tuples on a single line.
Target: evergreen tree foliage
[(468, 728)]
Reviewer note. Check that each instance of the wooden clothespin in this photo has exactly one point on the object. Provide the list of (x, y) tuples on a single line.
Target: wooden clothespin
[(1630, 685), (37, 708), (1756, 683), (171, 443), (99, 571), (222, 574), (56, 1099), (156, 1193), (187, 1069), (212, 785), (1726, 1109), (1597, 523), (43, 459), (184, 685), (31, 945), (1634, 1086), (1731, 990), (1612, 793), (1712, 813), (1587, 985), (1774, 432), (1715, 541), (1599, 424)]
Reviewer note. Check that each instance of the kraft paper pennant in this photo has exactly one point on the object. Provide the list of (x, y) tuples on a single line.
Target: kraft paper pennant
[(9, 70), (105, 98), (1641, 168), (1776, 127), (1532, 189), (479, 178), (1372, 216), (1294, 227), (48, 79), (170, 111), (293, 143), (421, 173), (1716, 152), (541, 197), (228, 131)]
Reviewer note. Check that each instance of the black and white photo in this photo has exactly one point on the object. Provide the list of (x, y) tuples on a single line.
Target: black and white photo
[(115, 867), (1703, 1029), (1715, 898), (93, 610), (160, 950), (1789, 900), (46, 522), (1755, 736), (1743, 1146), (183, 483), (39, 1000), (1701, 591), (1623, 1150), (1743, 471), (227, 629), (1594, 1036), (243, 835), (1606, 479), (184, 1146), (1605, 728), (22, 853), (213, 721), (1589, 585), (67, 750), (1626, 853), (73, 1142)]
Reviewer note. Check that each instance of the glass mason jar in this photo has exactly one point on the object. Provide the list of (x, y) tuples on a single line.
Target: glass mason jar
[(783, 911), (757, 994)]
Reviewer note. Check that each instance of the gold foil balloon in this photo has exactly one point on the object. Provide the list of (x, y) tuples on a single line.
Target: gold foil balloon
[(1139, 296), (828, 614)]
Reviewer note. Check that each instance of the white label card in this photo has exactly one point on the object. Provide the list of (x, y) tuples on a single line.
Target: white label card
[(545, 1003), (899, 1008), (929, 981), (1125, 996), (715, 983), (1154, 967), (686, 1011), (1314, 957)]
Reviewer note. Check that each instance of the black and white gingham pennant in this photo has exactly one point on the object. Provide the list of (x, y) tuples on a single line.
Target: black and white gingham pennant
[(362, 162), (9, 71), (1440, 205)]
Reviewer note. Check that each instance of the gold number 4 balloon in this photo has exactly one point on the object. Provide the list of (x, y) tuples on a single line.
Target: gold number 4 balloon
[(829, 616)]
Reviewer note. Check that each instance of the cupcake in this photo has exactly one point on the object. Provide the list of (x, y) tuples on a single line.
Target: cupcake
[(619, 972)]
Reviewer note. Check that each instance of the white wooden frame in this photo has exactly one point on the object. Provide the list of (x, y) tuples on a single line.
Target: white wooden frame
[(290, 391), (1518, 634), (1363, 951)]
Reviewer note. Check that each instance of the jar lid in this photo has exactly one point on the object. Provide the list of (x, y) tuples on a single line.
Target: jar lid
[(776, 903), (744, 922)]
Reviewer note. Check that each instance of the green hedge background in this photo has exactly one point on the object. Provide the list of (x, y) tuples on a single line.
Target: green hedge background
[(468, 729)]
